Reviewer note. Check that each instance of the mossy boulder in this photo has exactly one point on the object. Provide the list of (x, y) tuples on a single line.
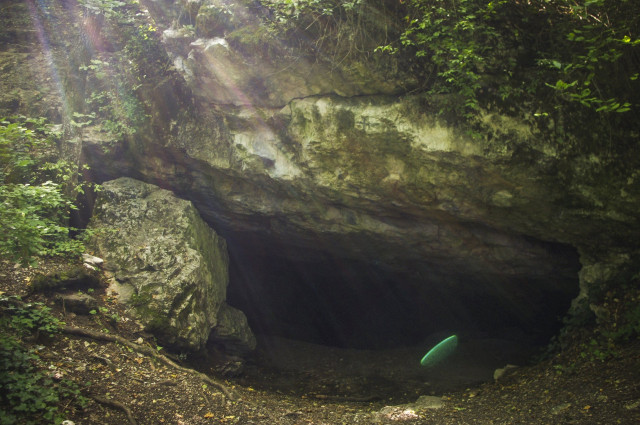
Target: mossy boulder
[(174, 266), (63, 277)]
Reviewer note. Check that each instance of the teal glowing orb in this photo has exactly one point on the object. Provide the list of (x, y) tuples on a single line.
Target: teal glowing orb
[(440, 351)]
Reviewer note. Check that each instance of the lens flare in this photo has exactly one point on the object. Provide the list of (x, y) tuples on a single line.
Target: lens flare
[(440, 351)]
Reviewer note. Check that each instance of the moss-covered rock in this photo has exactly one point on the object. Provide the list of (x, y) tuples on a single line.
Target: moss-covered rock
[(233, 331), (176, 265), (65, 277)]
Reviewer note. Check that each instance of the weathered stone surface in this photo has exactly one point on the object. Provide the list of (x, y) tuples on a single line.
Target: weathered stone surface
[(383, 165), (428, 402), (501, 372), (91, 262), (30, 85), (409, 412), (616, 267), (235, 59), (395, 414), (232, 331), (65, 277), (374, 180), (78, 303), (177, 266)]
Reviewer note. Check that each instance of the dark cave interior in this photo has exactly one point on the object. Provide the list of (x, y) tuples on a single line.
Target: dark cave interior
[(324, 299)]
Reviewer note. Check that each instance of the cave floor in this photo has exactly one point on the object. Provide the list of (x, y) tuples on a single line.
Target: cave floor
[(290, 382), (315, 371)]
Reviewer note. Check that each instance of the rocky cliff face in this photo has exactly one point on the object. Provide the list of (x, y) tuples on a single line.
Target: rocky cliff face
[(342, 195)]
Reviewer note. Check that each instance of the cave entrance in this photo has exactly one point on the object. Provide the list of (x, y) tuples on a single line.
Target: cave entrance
[(326, 323), (319, 298)]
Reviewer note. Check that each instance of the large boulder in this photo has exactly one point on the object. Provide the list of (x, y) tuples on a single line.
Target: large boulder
[(166, 262)]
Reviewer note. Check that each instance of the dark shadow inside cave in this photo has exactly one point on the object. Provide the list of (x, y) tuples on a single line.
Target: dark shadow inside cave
[(317, 297), (329, 326)]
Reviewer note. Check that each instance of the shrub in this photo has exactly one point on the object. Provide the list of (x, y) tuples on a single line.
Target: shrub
[(29, 394), (36, 192), (564, 62)]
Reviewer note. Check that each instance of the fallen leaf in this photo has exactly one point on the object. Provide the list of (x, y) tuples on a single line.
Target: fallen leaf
[(208, 415)]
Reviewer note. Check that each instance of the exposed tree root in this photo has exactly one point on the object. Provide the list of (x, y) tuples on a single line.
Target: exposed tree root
[(340, 398), (72, 330), (117, 405)]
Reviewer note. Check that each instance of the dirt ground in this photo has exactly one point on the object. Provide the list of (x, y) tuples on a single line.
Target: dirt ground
[(296, 383)]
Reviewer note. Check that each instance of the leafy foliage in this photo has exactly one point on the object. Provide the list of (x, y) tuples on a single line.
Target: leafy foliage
[(28, 393), (553, 63), (288, 11), (617, 311), (620, 311), (118, 81), (102, 7), (33, 217), (36, 192), (335, 31), (555, 57), (115, 108), (458, 40), (35, 318)]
